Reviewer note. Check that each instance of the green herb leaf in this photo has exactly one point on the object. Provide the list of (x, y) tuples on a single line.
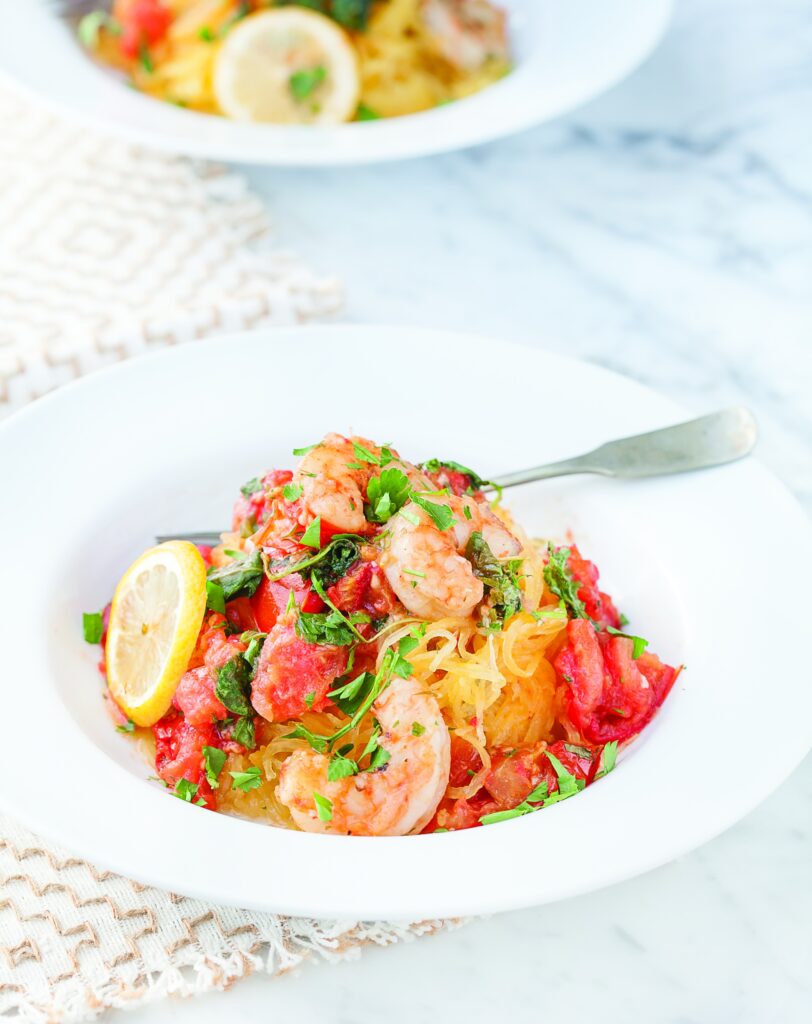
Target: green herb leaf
[(544, 614), (608, 758), (437, 465), (306, 449), (255, 640), (440, 515), (215, 598), (386, 495), (561, 582), (303, 82), (90, 26), (233, 687), (499, 577), (300, 732), (128, 726), (638, 643), (238, 578), (365, 113), (352, 14), (185, 790), (327, 628), (340, 767), (349, 697), (291, 492), (213, 760), (332, 561), (92, 626), (251, 487), (207, 34), (243, 732), (324, 807), (418, 729), (245, 781), (312, 536)]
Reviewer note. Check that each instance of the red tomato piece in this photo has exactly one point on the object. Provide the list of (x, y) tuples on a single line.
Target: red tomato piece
[(143, 22), (290, 669), (256, 508), (196, 698), (179, 753), (611, 696), (465, 762), (271, 600), (220, 650), (599, 606), (513, 776), (240, 613)]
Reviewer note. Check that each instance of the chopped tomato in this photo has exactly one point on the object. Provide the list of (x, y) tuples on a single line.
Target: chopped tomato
[(251, 510), (513, 776), (580, 761), (240, 613), (363, 588), (271, 600), (221, 649), (599, 606), (289, 670), (179, 753), (465, 761), (195, 697), (610, 695), (143, 23)]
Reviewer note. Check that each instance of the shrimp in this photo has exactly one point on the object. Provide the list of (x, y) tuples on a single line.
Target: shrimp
[(334, 481), (467, 33), (426, 567), (398, 798)]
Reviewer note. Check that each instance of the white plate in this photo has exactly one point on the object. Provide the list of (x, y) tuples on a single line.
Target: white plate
[(712, 567), (566, 52)]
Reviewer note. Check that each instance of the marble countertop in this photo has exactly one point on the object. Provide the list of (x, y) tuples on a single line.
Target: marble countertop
[(664, 231)]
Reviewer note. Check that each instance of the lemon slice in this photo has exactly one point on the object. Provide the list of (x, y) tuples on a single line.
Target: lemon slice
[(157, 611), (287, 66)]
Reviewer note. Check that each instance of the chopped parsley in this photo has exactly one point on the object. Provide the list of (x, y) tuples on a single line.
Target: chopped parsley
[(332, 561), (311, 538), (501, 578), (638, 643), (340, 767), (350, 696), (418, 729), (233, 687), (238, 578), (608, 758), (440, 515), (325, 628), (128, 726), (324, 807), (251, 487), (562, 583), (365, 113), (303, 82), (255, 640), (185, 790), (243, 732), (245, 781), (544, 614), (92, 627), (306, 449), (438, 465), (386, 495), (213, 760), (215, 597), (291, 492)]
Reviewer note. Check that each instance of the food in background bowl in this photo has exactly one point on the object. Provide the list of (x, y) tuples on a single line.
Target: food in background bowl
[(374, 648), (303, 61)]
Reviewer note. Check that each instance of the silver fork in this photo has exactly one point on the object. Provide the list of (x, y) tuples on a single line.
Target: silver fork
[(70, 9), (711, 440)]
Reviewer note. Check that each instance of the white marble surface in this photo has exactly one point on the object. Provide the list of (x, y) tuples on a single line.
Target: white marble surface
[(664, 231)]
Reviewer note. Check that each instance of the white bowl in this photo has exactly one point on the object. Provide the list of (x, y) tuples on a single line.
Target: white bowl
[(567, 51), (711, 567)]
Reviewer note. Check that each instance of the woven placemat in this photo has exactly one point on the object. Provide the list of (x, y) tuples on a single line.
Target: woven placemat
[(107, 251)]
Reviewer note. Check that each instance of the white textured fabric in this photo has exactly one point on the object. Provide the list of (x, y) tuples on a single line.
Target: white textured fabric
[(106, 251)]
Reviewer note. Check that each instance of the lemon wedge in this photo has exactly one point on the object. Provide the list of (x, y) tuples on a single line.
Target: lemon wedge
[(287, 66), (157, 612)]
